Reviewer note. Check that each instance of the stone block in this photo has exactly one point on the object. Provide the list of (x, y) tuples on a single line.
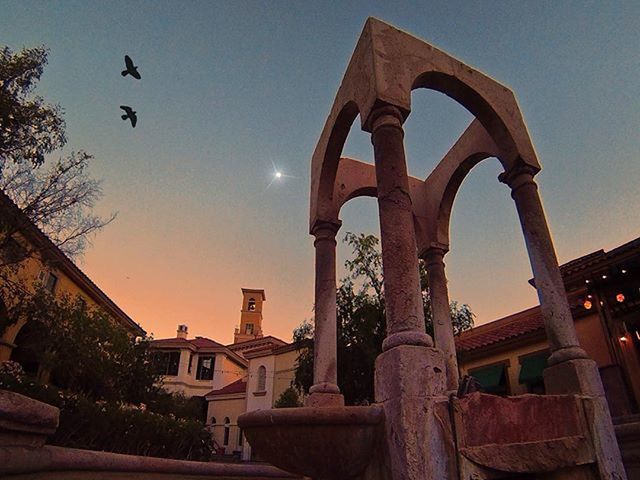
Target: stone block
[(321, 399), (580, 376), (410, 371)]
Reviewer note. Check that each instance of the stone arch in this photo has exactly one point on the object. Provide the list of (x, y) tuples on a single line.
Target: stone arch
[(482, 107), (325, 163)]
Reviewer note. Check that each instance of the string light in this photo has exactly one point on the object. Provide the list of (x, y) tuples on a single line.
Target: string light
[(587, 305), (620, 297)]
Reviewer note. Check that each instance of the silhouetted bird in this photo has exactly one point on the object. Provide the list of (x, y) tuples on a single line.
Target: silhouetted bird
[(131, 68), (130, 114)]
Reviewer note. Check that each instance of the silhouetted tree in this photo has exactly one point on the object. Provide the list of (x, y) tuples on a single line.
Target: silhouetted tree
[(362, 322)]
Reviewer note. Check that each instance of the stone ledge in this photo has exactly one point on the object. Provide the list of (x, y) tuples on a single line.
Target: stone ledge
[(25, 421)]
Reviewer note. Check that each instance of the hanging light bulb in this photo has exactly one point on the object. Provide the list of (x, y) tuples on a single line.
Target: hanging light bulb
[(620, 297), (587, 305)]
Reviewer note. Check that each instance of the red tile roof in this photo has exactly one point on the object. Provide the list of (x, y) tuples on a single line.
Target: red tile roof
[(239, 386), (198, 342), (521, 323)]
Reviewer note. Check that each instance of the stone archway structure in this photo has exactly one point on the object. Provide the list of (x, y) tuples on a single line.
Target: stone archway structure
[(413, 370)]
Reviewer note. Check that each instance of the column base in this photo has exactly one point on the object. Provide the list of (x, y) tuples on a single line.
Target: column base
[(411, 384), (580, 377), (321, 399)]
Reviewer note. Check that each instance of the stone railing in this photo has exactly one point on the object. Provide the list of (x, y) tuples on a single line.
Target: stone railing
[(25, 424)]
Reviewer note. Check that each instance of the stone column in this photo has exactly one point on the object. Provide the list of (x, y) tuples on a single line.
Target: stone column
[(442, 325), (410, 374), (403, 299), (561, 332), (325, 389), (570, 370)]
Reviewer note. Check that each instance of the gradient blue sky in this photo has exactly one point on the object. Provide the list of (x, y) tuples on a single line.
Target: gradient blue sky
[(229, 89)]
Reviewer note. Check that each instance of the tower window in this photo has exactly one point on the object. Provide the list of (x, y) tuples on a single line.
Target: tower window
[(249, 329), (251, 306)]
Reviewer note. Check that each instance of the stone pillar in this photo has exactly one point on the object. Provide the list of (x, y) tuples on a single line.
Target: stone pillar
[(442, 325), (325, 391), (570, 370), (403, 299), (410, 379), (558, 322)]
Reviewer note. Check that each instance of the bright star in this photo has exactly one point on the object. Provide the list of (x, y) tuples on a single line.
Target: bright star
[(278, 174)]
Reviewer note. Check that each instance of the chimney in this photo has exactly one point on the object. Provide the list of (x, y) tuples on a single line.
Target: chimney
[(182, 331)]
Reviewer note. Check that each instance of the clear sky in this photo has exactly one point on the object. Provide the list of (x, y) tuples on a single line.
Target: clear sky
[(230, 89)]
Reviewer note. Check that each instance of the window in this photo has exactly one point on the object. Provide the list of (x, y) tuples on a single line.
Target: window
[(190, 362), (166, 363), (251, 306), (227, 427), (531, 368), (492, 378), (262, 378), (249, 329), (213, 420), (205, 367), (240, 434), (48, 280)]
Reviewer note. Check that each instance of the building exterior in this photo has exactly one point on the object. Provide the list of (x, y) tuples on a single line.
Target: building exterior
[(271, 370), (38, 260), (508, 355), (201, 367)]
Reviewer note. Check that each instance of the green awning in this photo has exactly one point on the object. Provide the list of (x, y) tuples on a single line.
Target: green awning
[(531, 368), (489, 377)]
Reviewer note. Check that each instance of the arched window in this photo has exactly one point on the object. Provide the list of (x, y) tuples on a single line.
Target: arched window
[(251, 306), (227, 427), (213, 420), (262, 378)]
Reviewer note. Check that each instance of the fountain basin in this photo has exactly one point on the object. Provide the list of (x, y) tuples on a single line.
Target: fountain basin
[(317, 442)]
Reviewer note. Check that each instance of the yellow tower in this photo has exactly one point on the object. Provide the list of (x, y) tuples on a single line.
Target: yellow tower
[(250, 316)]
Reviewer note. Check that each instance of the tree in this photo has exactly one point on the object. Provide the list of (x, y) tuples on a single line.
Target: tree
[(288, 399), (81, 349), (362, 321), (29, 128), (59, 198)]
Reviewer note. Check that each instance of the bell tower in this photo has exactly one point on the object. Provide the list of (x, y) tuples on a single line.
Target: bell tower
[(250, 316)]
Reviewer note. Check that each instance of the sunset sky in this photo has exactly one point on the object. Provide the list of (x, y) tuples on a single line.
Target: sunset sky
[(231, 91)]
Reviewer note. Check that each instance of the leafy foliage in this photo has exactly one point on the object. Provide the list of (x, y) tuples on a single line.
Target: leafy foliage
[(82, 349), (362, 322), (29, 127), (288, 399), (115, 426)]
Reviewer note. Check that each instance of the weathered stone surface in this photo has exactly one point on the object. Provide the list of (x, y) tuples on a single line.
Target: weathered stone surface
[(67, 463), (25, 421), (410, 371), (321, 399), (324, 443)]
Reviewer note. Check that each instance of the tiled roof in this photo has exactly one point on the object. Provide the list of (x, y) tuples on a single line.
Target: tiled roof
[(256, 342), (198, 342), (521, 323), (239, 386)]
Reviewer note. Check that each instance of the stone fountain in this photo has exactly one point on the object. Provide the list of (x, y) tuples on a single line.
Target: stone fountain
[(419, 428)]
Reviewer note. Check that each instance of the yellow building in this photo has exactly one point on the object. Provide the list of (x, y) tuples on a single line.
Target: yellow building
[(39, 260)]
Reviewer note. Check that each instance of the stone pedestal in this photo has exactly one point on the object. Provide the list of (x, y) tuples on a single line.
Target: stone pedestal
[(410, 384), (582, 377)]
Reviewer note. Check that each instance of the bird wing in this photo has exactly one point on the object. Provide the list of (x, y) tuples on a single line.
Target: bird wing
[(134, 120), (128, 62), (126, 109)]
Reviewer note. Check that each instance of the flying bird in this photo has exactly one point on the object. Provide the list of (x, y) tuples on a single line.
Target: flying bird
[(130, 114), (131, 68)]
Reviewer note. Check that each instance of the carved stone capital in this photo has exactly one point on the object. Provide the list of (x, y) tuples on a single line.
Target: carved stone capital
[(386, 116), (518, 176), (325, 231)]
